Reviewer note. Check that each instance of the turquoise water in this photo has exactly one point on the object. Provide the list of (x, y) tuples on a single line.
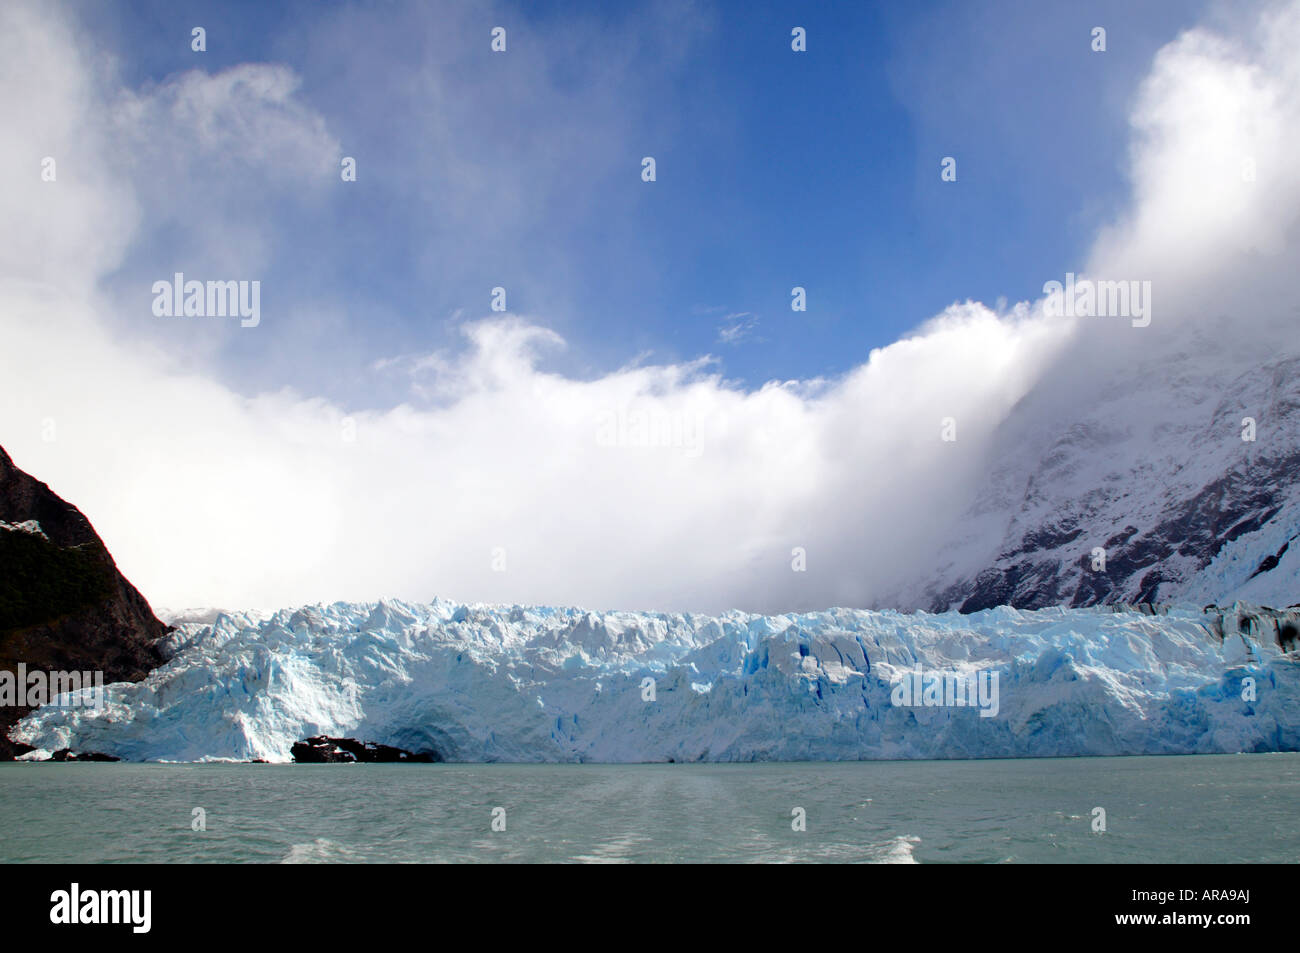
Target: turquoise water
[(1206, 808)]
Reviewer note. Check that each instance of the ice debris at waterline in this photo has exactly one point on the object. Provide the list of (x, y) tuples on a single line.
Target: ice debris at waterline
[(495, 683)]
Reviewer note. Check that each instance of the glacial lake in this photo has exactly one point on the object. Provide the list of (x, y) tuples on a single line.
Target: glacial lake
[(1201, 808)]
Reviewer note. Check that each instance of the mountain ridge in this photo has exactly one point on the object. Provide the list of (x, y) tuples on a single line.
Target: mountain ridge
[(1162, 501), (64, 606)]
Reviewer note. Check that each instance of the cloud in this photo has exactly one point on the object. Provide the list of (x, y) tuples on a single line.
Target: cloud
[(1214, 127), (736, 327), (501, 479)]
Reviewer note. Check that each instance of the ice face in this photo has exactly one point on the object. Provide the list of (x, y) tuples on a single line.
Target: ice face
[(515, 683)]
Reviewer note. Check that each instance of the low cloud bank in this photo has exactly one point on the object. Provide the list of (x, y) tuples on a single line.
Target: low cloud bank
[(659, 486)]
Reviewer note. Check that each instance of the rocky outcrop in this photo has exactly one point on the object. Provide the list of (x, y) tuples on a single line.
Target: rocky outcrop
[(1110, 512), (64, 606), (323, 750), (1280, 627), (67, 754), (1186, 537)]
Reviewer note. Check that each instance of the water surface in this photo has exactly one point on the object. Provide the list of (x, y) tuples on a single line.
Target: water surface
[(1203, 808)]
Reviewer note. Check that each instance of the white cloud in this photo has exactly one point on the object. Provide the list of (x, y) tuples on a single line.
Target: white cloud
[(208, 497), (1215, 128), (736, 327)]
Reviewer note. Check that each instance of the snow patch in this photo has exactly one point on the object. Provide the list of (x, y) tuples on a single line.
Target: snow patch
[(26, 526)]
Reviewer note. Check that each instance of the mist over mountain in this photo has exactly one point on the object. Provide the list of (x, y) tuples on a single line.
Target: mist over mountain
[(1117, 504), (660, 484)]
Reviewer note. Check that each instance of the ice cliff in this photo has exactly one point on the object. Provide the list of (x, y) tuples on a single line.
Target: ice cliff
[(493, 683)]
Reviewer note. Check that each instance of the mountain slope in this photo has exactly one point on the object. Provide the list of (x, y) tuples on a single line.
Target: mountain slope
[(63, 604), (1154, 473)]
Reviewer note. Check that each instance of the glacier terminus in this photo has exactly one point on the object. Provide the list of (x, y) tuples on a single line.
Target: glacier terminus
[(482, 683)]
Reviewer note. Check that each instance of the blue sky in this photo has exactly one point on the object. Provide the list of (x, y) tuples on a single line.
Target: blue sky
[(775, 169), (381, 432)]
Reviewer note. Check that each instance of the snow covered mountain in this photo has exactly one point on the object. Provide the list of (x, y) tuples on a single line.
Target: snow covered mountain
[(484, 683), (1141, 490)]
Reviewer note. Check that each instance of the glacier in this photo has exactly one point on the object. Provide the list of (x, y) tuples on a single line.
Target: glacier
[(532, 684)]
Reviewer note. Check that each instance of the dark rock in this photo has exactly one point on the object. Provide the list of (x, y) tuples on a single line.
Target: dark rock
[(1158, 520), (1269, 563), (66, 754), (320, 749), (63, 604), (1190, 533)]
